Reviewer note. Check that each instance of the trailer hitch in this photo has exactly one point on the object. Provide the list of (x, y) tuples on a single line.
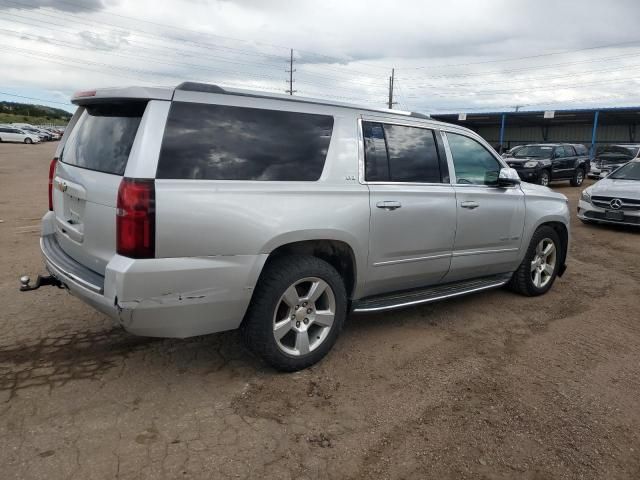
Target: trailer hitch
[(40, 282)]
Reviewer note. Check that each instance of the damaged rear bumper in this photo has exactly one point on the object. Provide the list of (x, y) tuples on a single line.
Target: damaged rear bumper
[(164, 297)]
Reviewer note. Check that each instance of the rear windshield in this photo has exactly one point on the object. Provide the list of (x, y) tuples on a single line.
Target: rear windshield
[(217, 142), (103, 137)]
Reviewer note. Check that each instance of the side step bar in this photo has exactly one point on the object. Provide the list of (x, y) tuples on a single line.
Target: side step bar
[(409, 298)]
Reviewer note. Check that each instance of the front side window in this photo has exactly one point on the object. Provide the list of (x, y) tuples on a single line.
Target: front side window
[(219, 142), (473, 163), (397, 153)]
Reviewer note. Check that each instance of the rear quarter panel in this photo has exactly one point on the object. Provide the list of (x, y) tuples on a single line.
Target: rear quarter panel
[(213, 217)]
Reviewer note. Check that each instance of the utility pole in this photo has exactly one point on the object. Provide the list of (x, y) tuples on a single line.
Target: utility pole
[(391, 80), (290, 91), (517, 107)]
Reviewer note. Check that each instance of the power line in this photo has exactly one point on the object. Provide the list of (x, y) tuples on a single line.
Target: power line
[(34, 98), (511, 59)]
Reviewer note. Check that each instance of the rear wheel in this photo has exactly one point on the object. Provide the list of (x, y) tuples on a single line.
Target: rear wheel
[(540, 266), (28, 141), (296, 313), (543, 178), (578, 178)]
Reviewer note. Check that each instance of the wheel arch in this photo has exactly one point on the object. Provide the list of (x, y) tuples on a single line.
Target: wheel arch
[(337, 253)]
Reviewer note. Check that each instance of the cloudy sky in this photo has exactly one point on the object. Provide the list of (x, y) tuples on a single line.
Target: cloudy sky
[(457, 55)]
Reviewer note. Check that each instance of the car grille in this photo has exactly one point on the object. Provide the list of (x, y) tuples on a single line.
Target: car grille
[(605, 202), (601, 216)]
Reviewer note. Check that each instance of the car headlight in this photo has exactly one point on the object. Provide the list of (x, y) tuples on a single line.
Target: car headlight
[(585, 196), (530, 164)]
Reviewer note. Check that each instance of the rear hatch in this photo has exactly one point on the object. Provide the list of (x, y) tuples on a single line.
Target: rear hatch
[(85, 185)]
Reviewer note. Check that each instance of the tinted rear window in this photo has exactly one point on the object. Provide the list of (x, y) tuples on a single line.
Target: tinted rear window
[(103, 137), (396, 153), (219, 142)]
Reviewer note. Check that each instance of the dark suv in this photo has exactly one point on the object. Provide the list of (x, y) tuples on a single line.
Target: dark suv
[(544, 163)]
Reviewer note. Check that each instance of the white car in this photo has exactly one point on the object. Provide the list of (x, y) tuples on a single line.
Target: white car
[(614, 199), (14, 134)]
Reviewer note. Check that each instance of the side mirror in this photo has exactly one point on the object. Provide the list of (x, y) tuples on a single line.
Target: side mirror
[(508, 177)]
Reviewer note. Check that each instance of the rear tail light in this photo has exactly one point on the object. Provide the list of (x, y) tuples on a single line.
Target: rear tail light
[(136, 218), (52, 174)]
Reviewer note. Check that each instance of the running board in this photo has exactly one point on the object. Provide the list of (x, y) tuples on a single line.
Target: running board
[(409, 298)]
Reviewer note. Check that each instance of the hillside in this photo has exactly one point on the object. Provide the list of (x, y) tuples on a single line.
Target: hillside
[(24, 112)]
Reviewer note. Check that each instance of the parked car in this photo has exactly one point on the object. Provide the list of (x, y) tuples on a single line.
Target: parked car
[(9, 133), (54, 134), (610, 157), (33, 131), (614, 199), (196, 209), (544, 163), (509, 153)]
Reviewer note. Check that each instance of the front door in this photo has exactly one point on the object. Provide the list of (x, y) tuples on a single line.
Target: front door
[(490, 220), (413, 207)]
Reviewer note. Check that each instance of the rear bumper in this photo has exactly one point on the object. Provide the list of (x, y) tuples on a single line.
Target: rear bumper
[(164, 297)]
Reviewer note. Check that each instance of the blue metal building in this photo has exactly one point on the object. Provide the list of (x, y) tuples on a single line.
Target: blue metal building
[(591, 127)]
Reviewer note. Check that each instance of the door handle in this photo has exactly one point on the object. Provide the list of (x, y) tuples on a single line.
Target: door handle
[(389, 205), (469, 205)]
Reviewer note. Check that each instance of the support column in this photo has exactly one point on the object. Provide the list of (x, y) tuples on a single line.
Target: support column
[(594, 132), (504, 116)]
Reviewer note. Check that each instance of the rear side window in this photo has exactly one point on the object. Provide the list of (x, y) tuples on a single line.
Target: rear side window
[(569, 151), (219, 142), (103, 137), (397, 153)]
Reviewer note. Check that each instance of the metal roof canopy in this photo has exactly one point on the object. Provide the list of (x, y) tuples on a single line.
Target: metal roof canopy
[(607, 115)]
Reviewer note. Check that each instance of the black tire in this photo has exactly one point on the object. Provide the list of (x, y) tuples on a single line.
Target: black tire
[(258, 324), (578, 177), (522, 281), (28, 141), (544, 178)]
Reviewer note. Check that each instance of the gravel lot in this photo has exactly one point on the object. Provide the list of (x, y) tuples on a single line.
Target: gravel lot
[(489, 386)]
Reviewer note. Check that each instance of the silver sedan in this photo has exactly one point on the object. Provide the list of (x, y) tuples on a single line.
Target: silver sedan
[(614, 199)]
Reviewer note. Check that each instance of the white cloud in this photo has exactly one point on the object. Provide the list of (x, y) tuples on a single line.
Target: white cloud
[(445, 54)]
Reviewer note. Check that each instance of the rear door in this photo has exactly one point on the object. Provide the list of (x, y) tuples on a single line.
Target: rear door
[(413, 206), (85, 185), (569, 161)]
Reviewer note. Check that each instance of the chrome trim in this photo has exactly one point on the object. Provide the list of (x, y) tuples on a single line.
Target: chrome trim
[(409, 260), (431, 299), (480, 252), (61, 272)]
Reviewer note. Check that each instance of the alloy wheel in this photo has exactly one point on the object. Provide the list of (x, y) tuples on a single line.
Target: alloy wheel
[(543, 263), (304, 316)]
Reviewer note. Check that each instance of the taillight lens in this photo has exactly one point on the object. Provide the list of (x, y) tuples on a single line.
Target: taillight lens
[(52, 174), (136, 218)]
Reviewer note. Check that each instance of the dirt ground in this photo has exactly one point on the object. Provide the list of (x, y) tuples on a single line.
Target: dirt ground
[(493, 385)]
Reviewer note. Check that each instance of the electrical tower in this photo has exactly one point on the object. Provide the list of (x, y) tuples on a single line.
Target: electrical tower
[(290, 90), (392, 79)]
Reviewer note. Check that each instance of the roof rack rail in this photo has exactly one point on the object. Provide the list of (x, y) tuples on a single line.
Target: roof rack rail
[(210, 88)]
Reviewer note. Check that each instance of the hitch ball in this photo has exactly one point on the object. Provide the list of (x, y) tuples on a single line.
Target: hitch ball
[(24, 280)]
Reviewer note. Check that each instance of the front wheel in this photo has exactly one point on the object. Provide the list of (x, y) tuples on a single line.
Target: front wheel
[(543, 178), (296, 313), (28, 141), (578, 178), (540, 266)]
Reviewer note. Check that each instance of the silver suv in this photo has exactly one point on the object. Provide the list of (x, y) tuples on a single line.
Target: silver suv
[(191, 210)]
